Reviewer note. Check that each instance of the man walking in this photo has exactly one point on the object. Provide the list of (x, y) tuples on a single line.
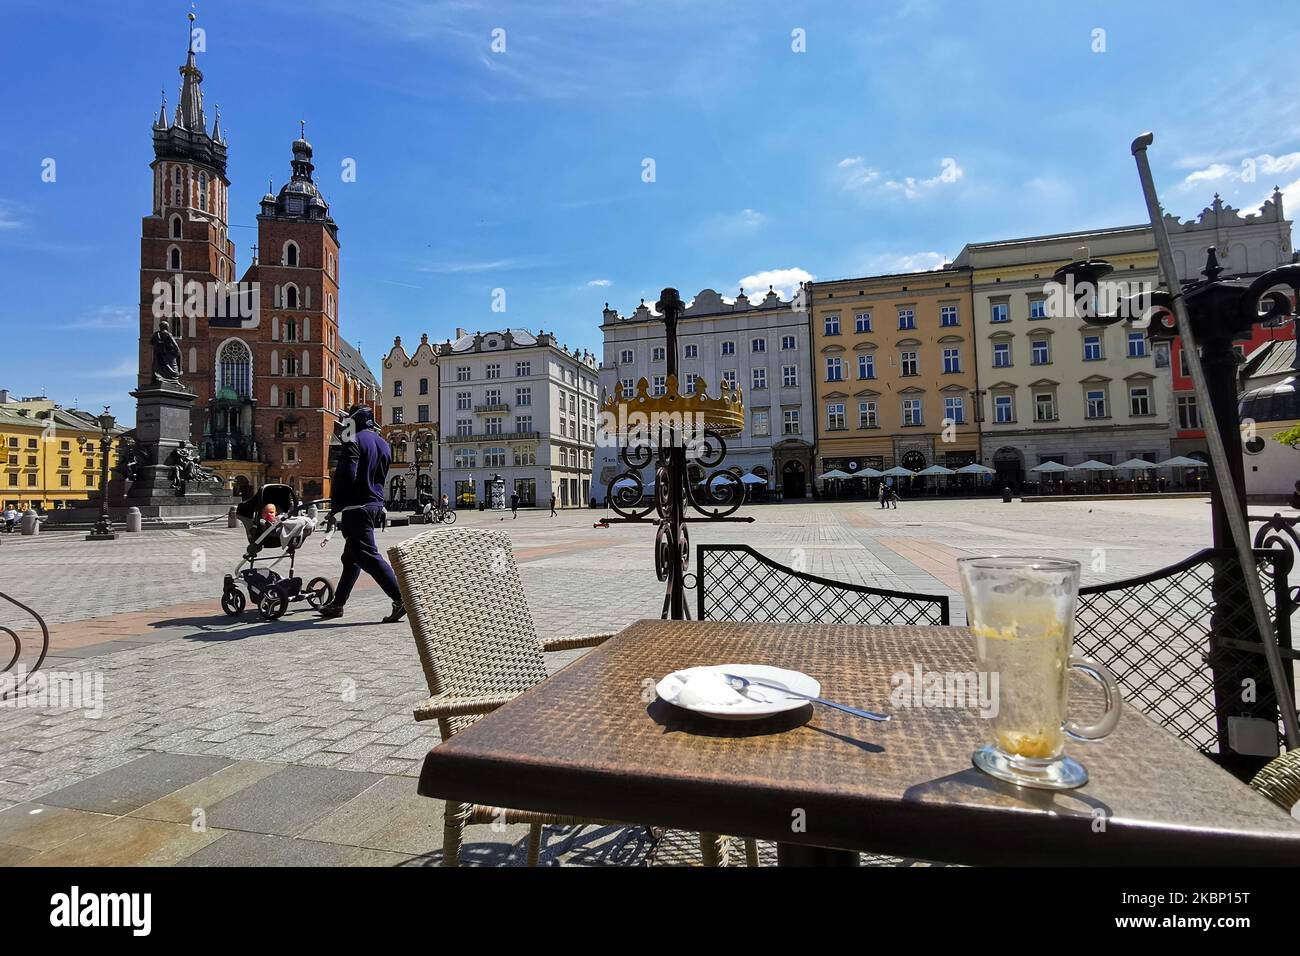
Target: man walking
[(514, 505), (356, 501), (554, 513)]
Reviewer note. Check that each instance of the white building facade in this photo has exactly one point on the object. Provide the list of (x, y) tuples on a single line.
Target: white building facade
[(516, 407), (761, 347)]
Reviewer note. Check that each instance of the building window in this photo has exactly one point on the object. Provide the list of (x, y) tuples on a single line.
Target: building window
[(831, 325), (203, 191), (954, 409), (691, 351), (629, 388), (906, 319), (235, 368), (1000, 312), (951, 360), (1092, 348), (462, 373), (1039, 353), (464, 401), (1189, 416), (397, 389), (494, 457), (290, 257), (761, 425), (523, 423), (493, 370), (728, 348), (835, 417), (1044, 407), (1096, 403), (176, 227), (1137, 345), (912, 411), (1038, 308), (424, 386), (523, 396), (625, 357), (1004, 408), (834, 369), (908, 364), (758, 345), (790, 417), (1001, 354), (868, 416), (464, 427), (174, 259), (660, 385), (787, 343), (422, 413), (1139, 400), (464, 458), (862, 322), (866, 366), (658, 353), (396, 414), (948, 316), (493, 425), (789, 376), (758, 377), (526, 454), (523, 369), (691, 379), (492, 396)]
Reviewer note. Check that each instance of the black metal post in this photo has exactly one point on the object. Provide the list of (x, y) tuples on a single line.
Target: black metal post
[(103, 530), (670, 305)]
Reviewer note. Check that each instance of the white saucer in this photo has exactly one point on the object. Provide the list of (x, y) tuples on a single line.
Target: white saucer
[(761, 702)]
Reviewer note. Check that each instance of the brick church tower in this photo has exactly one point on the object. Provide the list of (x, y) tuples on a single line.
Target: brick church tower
[(268, 382)]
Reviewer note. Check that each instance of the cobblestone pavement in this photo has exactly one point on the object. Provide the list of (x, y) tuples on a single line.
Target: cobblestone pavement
[(294, 741)]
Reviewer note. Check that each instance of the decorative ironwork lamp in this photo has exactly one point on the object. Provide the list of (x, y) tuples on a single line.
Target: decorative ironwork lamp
[(681, 432)]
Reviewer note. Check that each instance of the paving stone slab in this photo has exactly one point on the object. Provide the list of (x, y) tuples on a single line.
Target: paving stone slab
[(130, 786), (260, 849), (288, 801)]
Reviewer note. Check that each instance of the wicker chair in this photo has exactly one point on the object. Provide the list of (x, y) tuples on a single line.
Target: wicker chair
[(479, 648), (1279, 780)]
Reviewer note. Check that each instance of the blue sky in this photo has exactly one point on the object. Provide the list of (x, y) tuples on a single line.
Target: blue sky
[(523, 169)]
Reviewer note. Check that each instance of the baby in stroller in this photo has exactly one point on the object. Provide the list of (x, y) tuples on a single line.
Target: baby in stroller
[(273, 518)]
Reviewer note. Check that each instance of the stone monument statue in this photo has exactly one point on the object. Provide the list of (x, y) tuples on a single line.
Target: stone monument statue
[(184, 462), (166, 357)]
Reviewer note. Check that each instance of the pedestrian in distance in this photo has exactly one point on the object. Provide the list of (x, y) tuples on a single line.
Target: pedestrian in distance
[(514, 505), (884, 495), (554, 513)]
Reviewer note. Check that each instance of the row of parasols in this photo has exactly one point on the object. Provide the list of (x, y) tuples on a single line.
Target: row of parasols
[(1047, 467)]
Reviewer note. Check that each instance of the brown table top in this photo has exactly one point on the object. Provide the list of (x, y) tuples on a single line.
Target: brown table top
[(594, 741)]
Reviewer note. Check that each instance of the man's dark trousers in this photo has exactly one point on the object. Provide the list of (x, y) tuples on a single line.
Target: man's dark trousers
[(360, 554)]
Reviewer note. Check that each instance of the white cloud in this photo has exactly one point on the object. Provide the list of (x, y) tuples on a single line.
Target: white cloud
[(783, 281), (1248, 170), (8, 217), (856, 176), (107, 317), (732, 224), (126, 368), (493, 265), (601, 283), (905, 262)]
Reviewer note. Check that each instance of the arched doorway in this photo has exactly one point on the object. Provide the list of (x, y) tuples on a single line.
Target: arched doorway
[(242, 488), (793, 480), (1009, 464)]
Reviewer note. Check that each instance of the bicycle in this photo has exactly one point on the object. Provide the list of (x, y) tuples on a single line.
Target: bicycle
[(440, 515)]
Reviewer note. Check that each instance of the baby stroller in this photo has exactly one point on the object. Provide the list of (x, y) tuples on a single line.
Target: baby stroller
[(286, 531)]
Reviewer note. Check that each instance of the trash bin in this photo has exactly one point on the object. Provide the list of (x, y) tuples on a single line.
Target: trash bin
[(134, 521), (1006, 494), (30, 522)]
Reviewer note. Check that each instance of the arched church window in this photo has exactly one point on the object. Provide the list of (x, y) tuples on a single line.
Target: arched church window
[(203, 191), (235, 368), (291, 253), (291, 297), (290, 364), (174, 259), (290, 330), (290, 398), (176, 227)]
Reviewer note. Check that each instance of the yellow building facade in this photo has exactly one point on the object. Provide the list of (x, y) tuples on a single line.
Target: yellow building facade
[(51, 455), (894, 364)]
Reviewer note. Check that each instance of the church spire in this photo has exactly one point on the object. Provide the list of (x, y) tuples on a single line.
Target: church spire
[(189, 111)]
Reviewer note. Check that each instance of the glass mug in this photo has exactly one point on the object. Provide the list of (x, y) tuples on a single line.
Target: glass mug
[(1021, 611)]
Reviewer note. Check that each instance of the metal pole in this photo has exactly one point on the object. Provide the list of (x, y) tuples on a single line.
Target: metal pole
[(1218, 456)]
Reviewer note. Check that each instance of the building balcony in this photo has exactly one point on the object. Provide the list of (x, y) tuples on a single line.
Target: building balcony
[(488, 409), (498, 437)]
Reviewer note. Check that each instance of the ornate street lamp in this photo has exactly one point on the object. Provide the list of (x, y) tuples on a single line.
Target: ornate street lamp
[(676, 431), (1210, 315), (103, 530)]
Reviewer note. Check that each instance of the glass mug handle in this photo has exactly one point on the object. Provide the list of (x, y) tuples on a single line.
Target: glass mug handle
[(1110, 718)]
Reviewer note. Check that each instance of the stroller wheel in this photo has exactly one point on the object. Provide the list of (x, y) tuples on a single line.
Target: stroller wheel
[(319, 593), (232, 602), (273, 603)]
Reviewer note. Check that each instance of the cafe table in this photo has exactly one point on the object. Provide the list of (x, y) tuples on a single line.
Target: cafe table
[(594, 741)]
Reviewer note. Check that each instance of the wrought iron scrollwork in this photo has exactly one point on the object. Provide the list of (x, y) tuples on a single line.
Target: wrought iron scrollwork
[(7, 691)]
